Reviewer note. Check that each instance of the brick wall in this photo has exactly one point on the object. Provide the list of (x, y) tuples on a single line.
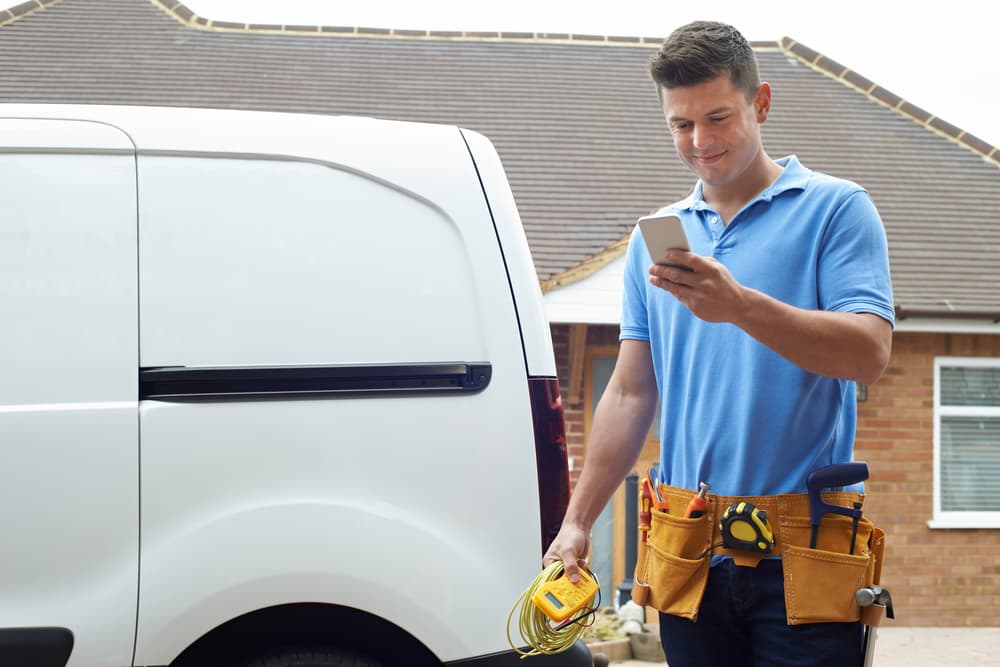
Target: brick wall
[(938, 577), (573, 414), (597, 336)]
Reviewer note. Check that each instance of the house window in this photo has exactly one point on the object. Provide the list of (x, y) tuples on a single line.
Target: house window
[(966, 443)]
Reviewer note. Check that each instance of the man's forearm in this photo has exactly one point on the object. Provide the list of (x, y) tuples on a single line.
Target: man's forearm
[(617, 436), (852, 346)]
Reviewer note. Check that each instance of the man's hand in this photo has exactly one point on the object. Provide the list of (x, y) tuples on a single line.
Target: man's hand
[(571, 546), (707, 289)]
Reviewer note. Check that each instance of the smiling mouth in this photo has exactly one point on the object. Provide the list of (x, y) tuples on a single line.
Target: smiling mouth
[(709, 159)]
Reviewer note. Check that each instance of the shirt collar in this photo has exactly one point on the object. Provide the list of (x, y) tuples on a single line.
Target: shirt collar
[(794, 176)]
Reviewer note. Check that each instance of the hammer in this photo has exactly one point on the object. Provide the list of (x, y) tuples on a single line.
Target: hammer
[(875, 602), (836, 475)]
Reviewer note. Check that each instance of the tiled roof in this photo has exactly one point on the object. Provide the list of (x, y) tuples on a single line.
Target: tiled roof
[(574, 118)]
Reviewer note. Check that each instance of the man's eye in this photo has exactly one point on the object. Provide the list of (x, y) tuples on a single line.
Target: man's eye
[(719, 119)]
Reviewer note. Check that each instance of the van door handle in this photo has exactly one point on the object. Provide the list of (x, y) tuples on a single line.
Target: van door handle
[(203, 383)]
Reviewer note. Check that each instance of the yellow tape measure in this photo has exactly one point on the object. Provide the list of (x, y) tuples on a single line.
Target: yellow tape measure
[(746, 528), (561, 598)]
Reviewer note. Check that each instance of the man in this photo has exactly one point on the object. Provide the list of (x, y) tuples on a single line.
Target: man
[(753, 348)]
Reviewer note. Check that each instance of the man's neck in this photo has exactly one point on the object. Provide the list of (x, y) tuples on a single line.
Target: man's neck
[(727, 200)]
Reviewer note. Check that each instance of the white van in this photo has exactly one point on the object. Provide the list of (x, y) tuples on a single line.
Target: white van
[(274, 389)]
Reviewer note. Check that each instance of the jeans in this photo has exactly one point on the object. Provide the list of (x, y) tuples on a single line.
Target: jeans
[(741, 623)]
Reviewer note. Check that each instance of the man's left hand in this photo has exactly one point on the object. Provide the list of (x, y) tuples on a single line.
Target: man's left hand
[(705, 286)]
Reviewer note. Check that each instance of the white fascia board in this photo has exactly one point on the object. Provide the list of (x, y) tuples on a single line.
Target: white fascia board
[(944, 325), (597, 299)]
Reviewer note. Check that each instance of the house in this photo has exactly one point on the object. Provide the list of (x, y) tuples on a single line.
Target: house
[(576, 122)]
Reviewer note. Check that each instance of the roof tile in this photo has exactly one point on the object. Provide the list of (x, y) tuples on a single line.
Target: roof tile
[(182, 12), (831, 66), (914, 111), (264, 27), (885, 96), (943, 126), (858, 81), (229, 25), (24, 8)]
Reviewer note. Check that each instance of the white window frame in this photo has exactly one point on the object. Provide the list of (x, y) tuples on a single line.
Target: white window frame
[(954, 519)]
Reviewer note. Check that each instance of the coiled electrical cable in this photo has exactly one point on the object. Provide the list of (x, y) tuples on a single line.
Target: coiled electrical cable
[(537, 630)]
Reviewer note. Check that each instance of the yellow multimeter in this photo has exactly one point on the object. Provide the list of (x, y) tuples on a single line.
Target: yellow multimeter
[(559, 599)]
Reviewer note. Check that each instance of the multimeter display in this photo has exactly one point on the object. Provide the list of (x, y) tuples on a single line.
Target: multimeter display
[(561, 598)]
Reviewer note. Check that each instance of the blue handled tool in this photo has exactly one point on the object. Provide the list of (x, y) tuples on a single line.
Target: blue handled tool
[(832, 476)]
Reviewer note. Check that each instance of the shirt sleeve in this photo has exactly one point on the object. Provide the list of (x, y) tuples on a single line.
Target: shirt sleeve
[(635, 319), (854, 261)]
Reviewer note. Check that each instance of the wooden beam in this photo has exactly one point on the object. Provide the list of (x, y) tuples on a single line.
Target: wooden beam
[(577, 361)]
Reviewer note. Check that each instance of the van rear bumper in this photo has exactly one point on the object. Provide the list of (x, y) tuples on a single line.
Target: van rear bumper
[(578, 655)]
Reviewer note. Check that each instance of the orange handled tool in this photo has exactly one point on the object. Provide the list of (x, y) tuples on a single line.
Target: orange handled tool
[(653, 479), (696, 507), (645, 508)]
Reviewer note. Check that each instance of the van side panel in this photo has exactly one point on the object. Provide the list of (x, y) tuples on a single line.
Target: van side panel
[(251, 262), (68, 394), (396, 505)]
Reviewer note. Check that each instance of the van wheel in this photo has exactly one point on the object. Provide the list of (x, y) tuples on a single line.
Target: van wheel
[(313, 657)]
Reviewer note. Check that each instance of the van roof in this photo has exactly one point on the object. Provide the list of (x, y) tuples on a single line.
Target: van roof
[(231, 130)]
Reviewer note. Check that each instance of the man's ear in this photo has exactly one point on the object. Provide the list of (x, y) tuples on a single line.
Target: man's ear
[(762, 101)]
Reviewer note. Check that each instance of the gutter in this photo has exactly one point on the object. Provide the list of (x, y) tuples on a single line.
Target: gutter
[(903, 313)]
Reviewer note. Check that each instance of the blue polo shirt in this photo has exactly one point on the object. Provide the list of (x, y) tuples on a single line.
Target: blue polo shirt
[(734, 413)]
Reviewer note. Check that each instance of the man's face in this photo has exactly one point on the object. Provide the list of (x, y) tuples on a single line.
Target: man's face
[(716, 130)]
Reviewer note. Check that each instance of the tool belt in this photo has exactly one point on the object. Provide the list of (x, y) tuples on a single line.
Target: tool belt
[(820, 583)]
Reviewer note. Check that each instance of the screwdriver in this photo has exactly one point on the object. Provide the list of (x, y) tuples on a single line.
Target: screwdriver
[(696, 507), (645, 504)]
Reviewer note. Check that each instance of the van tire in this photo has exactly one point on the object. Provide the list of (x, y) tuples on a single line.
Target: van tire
[(313, 657)]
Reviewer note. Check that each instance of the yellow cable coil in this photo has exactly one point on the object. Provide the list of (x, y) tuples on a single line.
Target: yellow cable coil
[(536, 628)]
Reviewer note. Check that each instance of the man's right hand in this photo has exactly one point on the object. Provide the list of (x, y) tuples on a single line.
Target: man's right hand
[(571, 546)]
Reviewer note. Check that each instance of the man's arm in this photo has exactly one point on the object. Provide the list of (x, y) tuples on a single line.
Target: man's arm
[(621, 422), (851, 346)]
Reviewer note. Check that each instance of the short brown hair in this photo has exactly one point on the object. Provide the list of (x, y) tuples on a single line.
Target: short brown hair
[(703, 50)]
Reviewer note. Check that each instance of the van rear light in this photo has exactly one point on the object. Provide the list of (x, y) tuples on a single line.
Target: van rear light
[(550, 455)]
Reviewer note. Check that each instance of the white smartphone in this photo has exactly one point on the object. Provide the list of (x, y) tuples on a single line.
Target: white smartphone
[(661, 233)]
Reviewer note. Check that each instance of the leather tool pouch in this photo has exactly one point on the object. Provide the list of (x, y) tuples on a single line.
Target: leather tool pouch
[(672, 567), (820, 583)]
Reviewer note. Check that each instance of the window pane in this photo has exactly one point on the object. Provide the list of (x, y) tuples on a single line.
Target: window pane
[(970, 386), (970, 464)]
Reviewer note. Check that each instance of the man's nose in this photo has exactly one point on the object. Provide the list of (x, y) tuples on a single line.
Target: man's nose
[(701, 135)]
